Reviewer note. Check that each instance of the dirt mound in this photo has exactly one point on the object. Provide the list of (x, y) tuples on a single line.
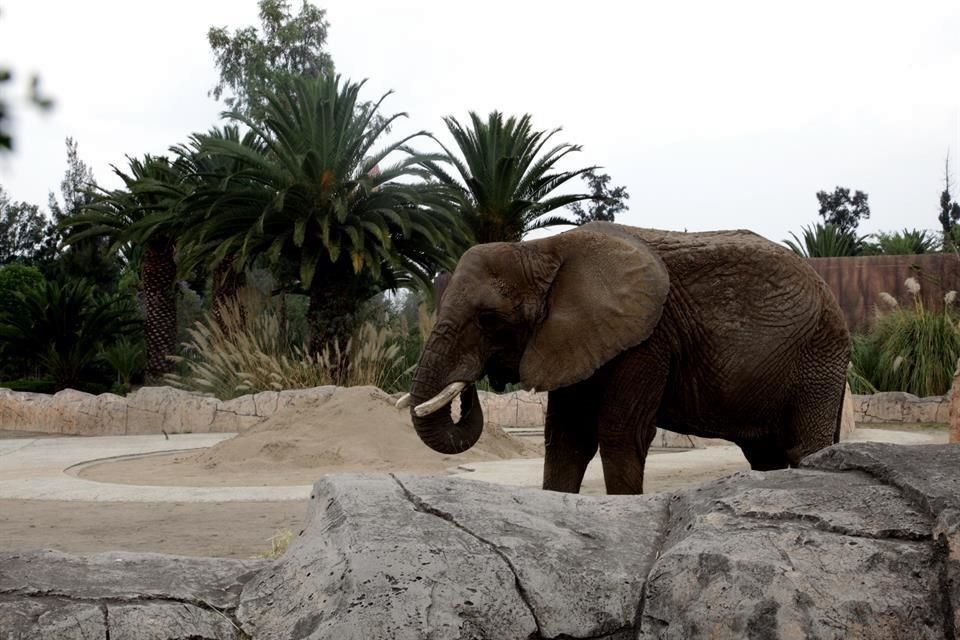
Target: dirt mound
[(355, 429)]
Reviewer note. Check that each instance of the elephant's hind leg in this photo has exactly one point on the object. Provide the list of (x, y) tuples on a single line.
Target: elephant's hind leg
[(765, 455), (570, 437)]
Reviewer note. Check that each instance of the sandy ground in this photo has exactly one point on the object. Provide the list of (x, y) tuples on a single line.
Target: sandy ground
[(356, 430), (231, 529), (244, 529)]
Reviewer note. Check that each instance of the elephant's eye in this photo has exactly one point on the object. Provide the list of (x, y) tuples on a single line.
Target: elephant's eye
[(491, 321)]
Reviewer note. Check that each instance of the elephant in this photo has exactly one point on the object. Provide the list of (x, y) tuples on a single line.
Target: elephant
[(720, 334)]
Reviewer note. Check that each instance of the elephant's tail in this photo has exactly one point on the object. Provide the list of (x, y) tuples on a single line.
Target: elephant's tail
[(843, 397)]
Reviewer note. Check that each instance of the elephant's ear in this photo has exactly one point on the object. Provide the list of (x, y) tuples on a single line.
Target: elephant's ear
[(607, 296)]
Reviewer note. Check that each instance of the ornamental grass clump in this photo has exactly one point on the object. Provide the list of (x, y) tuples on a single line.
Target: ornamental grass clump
[(246, 350), (910, 347)]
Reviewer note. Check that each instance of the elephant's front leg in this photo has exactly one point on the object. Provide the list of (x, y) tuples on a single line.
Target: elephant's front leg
[(626, 422), (570, 436)]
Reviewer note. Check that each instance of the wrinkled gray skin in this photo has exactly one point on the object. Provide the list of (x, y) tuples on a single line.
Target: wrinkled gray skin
[(721, 334)]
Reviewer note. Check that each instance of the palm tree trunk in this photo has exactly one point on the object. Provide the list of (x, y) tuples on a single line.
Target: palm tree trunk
[(332, 316), (158, 273), (226, 288)]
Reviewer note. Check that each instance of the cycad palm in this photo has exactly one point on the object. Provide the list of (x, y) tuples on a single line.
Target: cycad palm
[(211, 175), (825, 241), (144, 220), (506, 176), (313, 193)]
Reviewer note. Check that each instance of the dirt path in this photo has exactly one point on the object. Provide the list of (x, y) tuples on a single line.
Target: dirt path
[(232, 529)]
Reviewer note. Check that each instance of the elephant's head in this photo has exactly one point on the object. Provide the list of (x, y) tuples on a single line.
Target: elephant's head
[(545, 313)]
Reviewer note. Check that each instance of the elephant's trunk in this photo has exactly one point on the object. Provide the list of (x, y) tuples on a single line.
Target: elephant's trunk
[(436, 428)]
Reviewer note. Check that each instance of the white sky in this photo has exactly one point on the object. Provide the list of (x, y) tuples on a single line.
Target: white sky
[(713, 114)]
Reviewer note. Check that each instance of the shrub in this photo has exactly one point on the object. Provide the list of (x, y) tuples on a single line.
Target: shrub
[(905, 242), (247, 351), (29, 384), (910, 348), (128, 358), (63, 328), (825, 241)]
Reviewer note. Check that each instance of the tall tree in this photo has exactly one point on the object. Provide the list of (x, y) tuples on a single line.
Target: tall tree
[(25, 232), (949, 211), (75, 188), (505, 176), (321, 194), (215, 249), (145, 215), (252, 61), (605, 203), (90, 258), (842, 210)]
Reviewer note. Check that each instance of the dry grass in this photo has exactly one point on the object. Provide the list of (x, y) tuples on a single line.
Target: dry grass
[(279, 543), (910, 348), (247, 351)]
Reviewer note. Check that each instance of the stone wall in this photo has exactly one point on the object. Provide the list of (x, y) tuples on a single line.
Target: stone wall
[(156, 409), (897, 407), (146, 410)]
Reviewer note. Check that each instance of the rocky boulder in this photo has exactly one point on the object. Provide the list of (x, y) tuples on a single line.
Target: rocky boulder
[(863, 541), (48, 594)]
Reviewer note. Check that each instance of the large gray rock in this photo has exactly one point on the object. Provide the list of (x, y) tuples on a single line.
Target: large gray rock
[(862, 542), (408, 557), (48, 594)]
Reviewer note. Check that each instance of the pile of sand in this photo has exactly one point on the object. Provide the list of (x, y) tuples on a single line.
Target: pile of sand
[(355, 429)]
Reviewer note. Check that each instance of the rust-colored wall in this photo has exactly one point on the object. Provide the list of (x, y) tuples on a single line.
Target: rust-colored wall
[(858, 282)]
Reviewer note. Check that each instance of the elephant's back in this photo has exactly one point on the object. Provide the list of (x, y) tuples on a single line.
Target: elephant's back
[(758, 305), (740, 284)]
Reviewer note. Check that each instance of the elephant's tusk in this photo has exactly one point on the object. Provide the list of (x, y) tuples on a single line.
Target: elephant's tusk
[(404, 401), (440, 400)]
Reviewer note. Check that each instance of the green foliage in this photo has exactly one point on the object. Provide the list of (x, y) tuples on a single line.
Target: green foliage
[(16, 279), (901, 243), (842, 210), (63, 328), (314, 192), (949, 215), (338, 218), (505, 176), (128, 358), (863, 364), (605, 203), (252, 62), (78, 257), (910, 348), (30, 385), (824, 241), (25, 233)]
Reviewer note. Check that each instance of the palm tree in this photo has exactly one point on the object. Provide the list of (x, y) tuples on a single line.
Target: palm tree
[(825, 241), (144, 221), (317, 192), (906, 242), (506, 176), (211, 175)]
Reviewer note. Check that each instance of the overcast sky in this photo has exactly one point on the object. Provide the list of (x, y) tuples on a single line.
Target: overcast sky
[(713, 114)]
